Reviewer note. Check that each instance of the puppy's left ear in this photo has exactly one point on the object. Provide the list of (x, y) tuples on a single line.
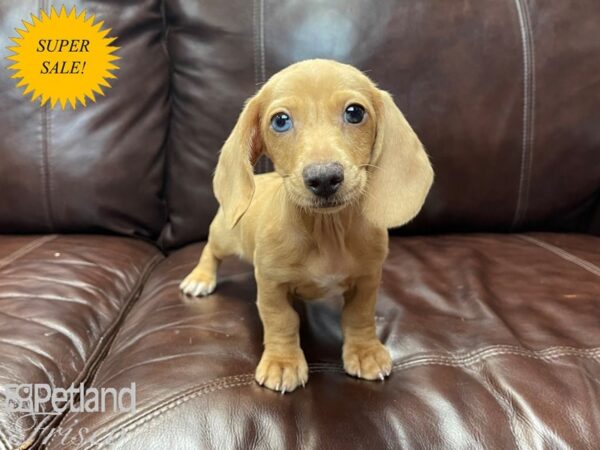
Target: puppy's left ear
[(233, 182), (398, 185)]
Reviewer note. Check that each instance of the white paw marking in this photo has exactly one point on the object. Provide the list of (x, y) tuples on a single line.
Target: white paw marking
[(197, 288)]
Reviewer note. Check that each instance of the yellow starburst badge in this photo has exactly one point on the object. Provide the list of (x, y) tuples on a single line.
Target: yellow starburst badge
[(63, 57)]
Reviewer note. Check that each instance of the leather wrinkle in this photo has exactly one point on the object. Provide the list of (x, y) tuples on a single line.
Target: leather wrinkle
[(247, 379), (505, 404), (4, 440), (102, 347)]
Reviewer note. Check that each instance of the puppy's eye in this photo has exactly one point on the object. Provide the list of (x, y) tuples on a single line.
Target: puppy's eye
[(281, 122), (354, 113)]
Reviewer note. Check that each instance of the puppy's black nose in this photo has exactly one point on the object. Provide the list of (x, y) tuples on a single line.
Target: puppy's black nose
[(323, 179)]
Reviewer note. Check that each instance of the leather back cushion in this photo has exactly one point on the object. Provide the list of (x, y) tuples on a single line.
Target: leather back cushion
[(504, 94), (99, 167)]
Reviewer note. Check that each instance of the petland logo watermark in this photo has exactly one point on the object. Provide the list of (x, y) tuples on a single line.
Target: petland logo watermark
[(43, 399)]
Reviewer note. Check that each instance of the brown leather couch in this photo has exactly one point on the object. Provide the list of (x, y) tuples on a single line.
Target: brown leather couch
[(490, 300)]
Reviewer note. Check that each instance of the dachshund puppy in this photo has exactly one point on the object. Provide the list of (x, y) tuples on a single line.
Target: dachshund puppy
[(347, 167)]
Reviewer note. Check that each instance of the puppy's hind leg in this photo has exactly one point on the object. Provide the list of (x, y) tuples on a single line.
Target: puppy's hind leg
[(203, 279), (221, 243)]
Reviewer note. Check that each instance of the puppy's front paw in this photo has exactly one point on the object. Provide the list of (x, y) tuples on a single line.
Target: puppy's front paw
[(368, 360), (282, 373), (198, 283)]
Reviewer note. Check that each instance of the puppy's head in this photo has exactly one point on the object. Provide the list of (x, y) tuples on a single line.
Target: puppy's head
[(334, 138)]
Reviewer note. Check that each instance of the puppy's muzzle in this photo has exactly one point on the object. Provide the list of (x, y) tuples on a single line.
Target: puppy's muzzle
[(323, 180)]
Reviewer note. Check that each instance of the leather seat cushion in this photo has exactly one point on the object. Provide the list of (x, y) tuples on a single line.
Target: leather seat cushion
[(62, 299), (494, 338)]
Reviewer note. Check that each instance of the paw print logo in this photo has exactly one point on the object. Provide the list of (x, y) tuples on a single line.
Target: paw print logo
[(19, 397)]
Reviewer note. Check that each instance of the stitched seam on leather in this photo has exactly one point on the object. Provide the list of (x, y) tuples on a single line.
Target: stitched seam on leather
[(102, 347), (545, 355), (164, 148), (528, 112), (472, 358), (43, 168), (204, 389), (27, 248), (141, 288), (257, 45), (174, 405), (47, 206), (260, 72), (255, 36), (199, 393), (46, 171), (43, 156), (263, 71), (239, 380), (260, 65), (258, 16), (532, 99), (586, 265), (196, 391), (488, 352)]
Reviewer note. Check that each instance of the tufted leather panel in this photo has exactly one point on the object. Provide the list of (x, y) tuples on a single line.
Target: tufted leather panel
[(561, 170), (494, 340), (99, 167), (212, 62), (61, 301), (504, 94)]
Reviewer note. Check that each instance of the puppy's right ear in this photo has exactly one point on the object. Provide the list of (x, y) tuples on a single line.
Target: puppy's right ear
[(233, 183), (403, 175)]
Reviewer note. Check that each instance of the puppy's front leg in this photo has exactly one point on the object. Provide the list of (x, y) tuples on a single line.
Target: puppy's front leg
[(364, 355), (282, 366), (203, 279)]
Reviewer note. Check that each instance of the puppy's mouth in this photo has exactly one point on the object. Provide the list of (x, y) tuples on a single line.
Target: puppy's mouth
[(324, 205), (329, 204)]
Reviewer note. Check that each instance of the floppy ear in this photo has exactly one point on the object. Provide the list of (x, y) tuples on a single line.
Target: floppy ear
[(233, 182), (398, 185)]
